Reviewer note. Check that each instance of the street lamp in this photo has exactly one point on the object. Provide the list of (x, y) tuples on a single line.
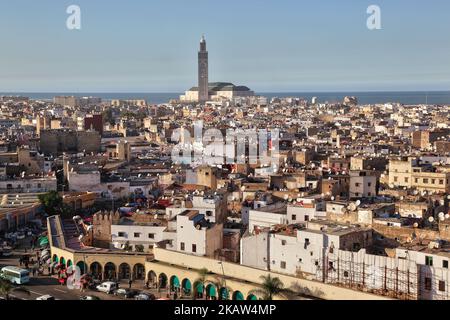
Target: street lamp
[(223, 272)]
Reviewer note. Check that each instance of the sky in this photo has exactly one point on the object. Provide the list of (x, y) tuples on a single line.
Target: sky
[(268, 45)]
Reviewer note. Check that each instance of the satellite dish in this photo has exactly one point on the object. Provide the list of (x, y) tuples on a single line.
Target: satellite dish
[(447, 216), (441, 218), (415, 225), (332, 198), (441, 215), (286, 197), (352, 207), (358, 203), (430, 219)]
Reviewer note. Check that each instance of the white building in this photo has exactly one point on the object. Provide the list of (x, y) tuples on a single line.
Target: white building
[(363, 184), (198, 236)]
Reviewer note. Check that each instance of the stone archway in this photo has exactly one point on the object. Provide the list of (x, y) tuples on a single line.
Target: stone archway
[(186, 286), (138, 272), (96, 270), (83, 267), (124, 271), (211, 292), (162, 281), (199, 288), (110, 271), (175, 284), (152, 279)]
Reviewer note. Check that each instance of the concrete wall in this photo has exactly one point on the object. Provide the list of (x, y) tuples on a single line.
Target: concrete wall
[(251, 275)]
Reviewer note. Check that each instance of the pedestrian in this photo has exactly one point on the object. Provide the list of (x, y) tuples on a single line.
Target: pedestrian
[(130, 282)]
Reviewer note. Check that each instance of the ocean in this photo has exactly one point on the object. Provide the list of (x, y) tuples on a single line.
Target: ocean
[(412, 97)]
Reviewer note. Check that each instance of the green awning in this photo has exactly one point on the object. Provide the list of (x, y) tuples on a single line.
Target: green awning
[(43, 241), (238, 296)]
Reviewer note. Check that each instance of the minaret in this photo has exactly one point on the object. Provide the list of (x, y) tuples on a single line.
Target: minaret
[(203, 94)]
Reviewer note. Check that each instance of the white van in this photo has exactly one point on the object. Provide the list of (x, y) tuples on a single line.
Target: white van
[(107, 287)]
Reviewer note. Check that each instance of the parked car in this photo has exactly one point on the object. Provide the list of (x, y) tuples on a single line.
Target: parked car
[(126, 293), (107, 287), (145, 296), (21, 235), (6, 251), (46, 297), (91, 298)]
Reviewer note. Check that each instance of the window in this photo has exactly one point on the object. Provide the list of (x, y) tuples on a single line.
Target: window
[(406, 180), (425, 180), (357, 185), (122, 234), (182, 246), (283, 264), (429, 261), (39, 185), (294, 217), (417, 180), (441, 181), (428, 284), (151, 236), (442, 286), (346, 274), (194, 248), (369, 184), (209, 213), (306, 217), (283, 242), (137, 234), (445, 264), (433, 181), (395, 179)]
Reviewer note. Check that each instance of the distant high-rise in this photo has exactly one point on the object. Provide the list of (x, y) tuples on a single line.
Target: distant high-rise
[(203, 91)]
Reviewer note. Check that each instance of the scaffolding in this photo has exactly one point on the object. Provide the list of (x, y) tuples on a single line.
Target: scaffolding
[(380, 275)]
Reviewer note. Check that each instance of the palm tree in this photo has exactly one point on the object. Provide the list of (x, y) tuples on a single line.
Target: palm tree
[(202, 275), (270, 288), (220, 283), (6, 288)]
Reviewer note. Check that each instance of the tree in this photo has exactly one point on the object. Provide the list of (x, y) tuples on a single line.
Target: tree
[(270, 287), (52, 203), (202, 276), (6, 288)]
